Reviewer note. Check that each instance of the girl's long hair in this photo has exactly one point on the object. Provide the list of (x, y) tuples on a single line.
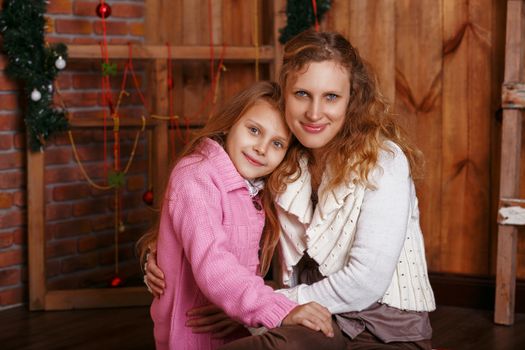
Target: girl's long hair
[(368, 122), (216, 128)]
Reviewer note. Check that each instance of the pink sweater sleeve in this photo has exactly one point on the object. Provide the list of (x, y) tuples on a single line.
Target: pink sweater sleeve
[(196, 214)]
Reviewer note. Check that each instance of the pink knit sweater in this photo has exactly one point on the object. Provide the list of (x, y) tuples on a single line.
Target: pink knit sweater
[(208, 249)]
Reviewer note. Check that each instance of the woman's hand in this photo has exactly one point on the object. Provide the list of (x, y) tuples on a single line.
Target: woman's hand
[(154, 278), (313, 316), (211, 319)]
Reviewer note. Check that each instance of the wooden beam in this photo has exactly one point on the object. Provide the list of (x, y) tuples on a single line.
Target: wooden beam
[(510, 166), (513, 95), (97, 298), (124, 122), (35, 230), (231, 53)]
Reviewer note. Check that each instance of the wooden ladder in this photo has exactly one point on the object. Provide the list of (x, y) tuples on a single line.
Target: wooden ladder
[(513, 103)]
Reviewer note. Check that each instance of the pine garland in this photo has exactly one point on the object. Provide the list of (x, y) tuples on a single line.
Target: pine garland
[(34, 63), (300, 17)]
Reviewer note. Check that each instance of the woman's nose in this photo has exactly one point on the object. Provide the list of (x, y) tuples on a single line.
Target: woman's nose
[(314, 111)]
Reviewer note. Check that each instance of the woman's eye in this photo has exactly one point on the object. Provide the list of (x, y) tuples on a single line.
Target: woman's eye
[(253, 130), (331, 97), (301, 93)]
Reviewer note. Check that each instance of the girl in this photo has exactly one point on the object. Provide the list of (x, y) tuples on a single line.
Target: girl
[(348, 212), (211, 224)]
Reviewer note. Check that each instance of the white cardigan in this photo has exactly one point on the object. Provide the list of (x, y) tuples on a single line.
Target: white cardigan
[(368, 242)]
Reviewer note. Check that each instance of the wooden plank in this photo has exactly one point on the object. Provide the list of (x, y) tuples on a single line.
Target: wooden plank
[(97, 298), (466, 129), (161, 158), (370, 27), (419, 105), (99, 122), (36, 230), (187, 52), (513, 95), (510, 166), (279, 21)]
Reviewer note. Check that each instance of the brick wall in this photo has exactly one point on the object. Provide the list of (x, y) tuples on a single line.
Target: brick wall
[(79, 218)]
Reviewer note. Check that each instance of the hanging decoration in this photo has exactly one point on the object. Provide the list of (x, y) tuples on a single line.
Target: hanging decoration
[(302, 15), (34, 63), (103, 10)]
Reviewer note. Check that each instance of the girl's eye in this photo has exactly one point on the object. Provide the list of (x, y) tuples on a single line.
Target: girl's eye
[(331, 97), (253, 130), (278, 144)]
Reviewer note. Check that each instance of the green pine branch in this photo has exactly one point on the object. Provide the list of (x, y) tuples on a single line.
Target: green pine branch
[(32, 62), (300, 17)]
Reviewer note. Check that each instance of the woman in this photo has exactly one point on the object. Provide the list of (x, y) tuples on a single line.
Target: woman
[(350, 235)]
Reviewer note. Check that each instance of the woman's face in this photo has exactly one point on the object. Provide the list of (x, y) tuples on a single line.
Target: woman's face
[(316, 99)]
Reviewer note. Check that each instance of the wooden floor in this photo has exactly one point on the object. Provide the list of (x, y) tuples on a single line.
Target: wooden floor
[(131, 328)]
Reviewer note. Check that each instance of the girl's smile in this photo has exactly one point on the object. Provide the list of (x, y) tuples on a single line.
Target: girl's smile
[(258, 141)]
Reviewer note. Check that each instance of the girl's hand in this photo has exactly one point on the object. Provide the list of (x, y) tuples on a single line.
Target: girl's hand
[(313, 316), (211, 319), (154, 278)]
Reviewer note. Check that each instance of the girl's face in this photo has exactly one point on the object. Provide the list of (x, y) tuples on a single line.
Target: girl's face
[(257, 142), (316, 101)]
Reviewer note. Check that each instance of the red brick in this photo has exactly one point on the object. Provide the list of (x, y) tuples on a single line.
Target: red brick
[(102, 223), (58, 39), (80, 99), (60, 7), (85, 8), (64, 81), (6, 142), (127, 11), (61, 248), (59, 155), (86, 244), (11, 257), (112, 28), (73, 26), (20, 198), (77, 263), (8, 84), (62, 174), (89, 207), (6, 240), (10, 122), (20, 236), (86, 81), (68, 229), (11, 179), (10, 277), (69, 192), (94, 151), (12, 218), (106, 257), (3, 61), (9, 101), (11, 160), (86, 41), (58, 211), (12, 296), (20, 141), (135, 183), (52, 267), (6, 200), (136, 29)]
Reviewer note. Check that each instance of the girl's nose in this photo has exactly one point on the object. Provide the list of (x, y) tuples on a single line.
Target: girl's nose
[(260, 148)]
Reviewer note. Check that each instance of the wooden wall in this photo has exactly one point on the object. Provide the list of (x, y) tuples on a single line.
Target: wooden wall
[(440, 62)]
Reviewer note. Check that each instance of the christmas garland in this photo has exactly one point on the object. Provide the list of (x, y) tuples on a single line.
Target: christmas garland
[(35, 64), (301, 15)]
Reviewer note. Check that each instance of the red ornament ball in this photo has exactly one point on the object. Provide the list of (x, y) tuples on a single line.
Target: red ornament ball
[(103, 10), (147, 197), (116, 282)]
